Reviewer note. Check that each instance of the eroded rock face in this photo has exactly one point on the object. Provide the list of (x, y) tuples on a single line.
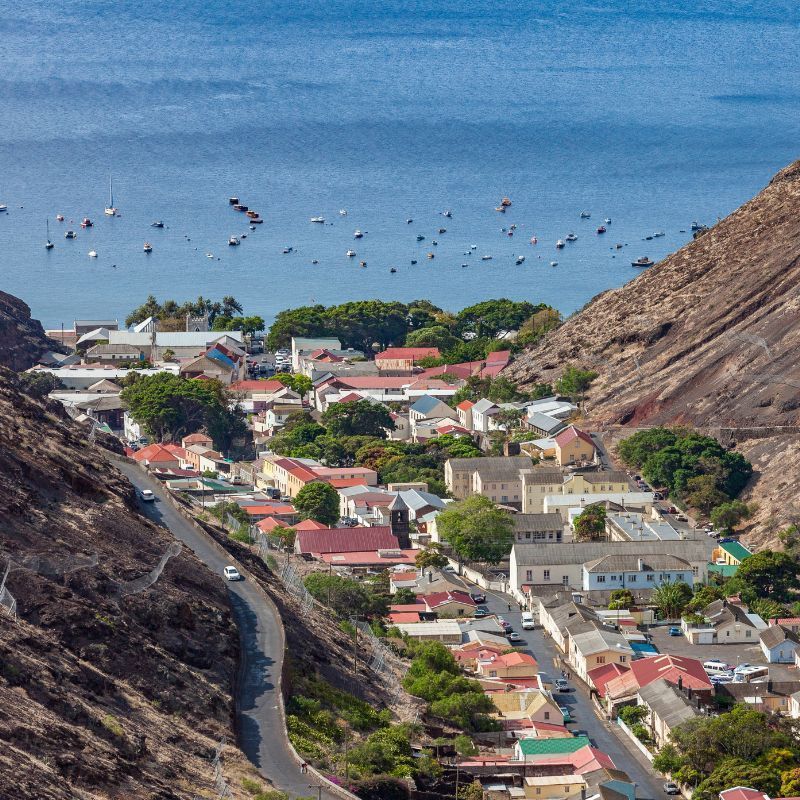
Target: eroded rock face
[(100, 694), (709, 337), (22, 339)]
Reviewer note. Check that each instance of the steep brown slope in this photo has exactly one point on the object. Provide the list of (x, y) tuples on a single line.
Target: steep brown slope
[(107, 690), (710, 337), (22, 339)]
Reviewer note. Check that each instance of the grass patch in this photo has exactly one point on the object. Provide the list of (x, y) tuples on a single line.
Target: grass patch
[(111, 724)]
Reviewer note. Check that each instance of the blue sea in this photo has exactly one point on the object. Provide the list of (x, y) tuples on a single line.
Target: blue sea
[(652, 114)]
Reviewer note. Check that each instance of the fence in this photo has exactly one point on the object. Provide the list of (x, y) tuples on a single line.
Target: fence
[(383, 661), (237, 526), (7, 601)]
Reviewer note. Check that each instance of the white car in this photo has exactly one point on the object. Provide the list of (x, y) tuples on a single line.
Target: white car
[(232, 574), (147, 495)]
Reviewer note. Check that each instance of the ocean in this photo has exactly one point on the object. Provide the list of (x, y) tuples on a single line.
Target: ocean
[(651, 114)]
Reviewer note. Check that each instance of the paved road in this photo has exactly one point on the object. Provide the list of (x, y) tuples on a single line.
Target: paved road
[(261, 732), (607, 737)]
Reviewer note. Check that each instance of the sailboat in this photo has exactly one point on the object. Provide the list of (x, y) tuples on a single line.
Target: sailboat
[(111, 211), (48, 245)]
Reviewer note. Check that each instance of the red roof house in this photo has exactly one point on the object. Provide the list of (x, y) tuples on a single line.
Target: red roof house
[(689, 671), (344, 540), (158, 455)]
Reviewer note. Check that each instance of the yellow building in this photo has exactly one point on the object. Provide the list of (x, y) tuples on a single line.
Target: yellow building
[(550, 787)]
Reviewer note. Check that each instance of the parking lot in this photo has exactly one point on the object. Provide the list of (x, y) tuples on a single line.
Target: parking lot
[(731, 653)]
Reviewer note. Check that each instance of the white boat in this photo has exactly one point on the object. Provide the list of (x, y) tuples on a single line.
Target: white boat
[(148, 248), (447, 214), (110, 209), (486, 258), (585, 215), (473, 247), (157, 224), (318, 220), (342, 212), (554, 263), (70, 235), (358, 235), (92, 254), (3, 209), (608, 220), (559, 244), (209, 255), (48, 245), (351, 253), (658, 234), (234, 241), (571, 237), (520, 259), (60, 217)]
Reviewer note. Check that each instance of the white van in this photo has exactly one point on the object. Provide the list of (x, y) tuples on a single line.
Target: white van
[(528, 623), (716, 667)]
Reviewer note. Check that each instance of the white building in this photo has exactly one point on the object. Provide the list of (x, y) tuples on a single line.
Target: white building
[(635, 572)]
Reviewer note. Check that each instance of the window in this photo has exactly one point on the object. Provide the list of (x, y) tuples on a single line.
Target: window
[(565, 580), (600, 660), (546, 574), (601, 578), (650, 576), (632, 578), (504, 498), (528, 535), (502, 486), (747, 633), (493, 673), (614, 578), (547, 715), (528, 574), (538, 790), (623, 659), (695, 571)]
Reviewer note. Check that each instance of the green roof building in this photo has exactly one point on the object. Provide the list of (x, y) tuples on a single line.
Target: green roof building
[(733, 553), (551, 747)]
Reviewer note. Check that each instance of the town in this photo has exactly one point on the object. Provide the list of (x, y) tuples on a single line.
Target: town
[(569, 608)]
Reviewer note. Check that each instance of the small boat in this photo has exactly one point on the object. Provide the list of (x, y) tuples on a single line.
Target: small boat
[(501, 209), (447, 214), (658, 234), (157, 224), (505, 202), (318, 220), (392, 270), (256, 221), (252, 227), (473, 247), (520, 259), (607, 220), (287, 250), (571, 237), (87, 223), (209, 255), (644, 261), (601, 229), (698, 226), (513, 227), (618, 246), (559, 244), (243, 236), (434, 242), (510, 233), (585, 215), (362, 263), (358, 234), (554, 263), (486, 258), (234, 241), (648, 238), (252, 214), (314, 261), (420, 237), (148, 248), (92, 254), (60, 217), (234, 201), (431, 255), (48, 245), (464, 265), (534, 240), (4, 208), (342, 212), (110, 210), (442, 230), (351, 253), (409, 221), (70, 235), (239, 207), (413, 260)]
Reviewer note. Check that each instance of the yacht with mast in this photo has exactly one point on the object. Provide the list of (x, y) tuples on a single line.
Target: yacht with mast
[(110, 209), (48, 245)]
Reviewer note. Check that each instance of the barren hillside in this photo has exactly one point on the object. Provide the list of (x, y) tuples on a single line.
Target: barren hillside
[(708, 337), (22, 339), (109, 688)]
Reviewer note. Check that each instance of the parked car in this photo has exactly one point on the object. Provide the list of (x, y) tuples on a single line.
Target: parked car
[(513, 636), (682, 518), (561, 685), (482, 612), (506, 626), (565, 712), (147, 496), (672, 510), (726, 539), (478, 597), (448, 568), (671, 788), (232, 574), (675, 631), (720, 679)]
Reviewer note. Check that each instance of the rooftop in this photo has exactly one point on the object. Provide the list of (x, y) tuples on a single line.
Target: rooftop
[(531, 747)]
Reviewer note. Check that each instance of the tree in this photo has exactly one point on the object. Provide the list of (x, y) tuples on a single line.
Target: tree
[(344, 595), (476, 529), (318, 501), (404, 596), (768, 574), (590, 524), (726, 516), (671, 598), (490, 317), (248, 325), (621, 599), (39, 384), (767, 608), (537, 325), (472, 791), (170, 406), (359, 418), (575, 381), (434, 336), (464, 745), (286, 537), (431, 557), (703, 596), (703, 494), (297, 382)]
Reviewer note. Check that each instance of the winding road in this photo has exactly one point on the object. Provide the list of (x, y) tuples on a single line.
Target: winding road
[(262, 735)]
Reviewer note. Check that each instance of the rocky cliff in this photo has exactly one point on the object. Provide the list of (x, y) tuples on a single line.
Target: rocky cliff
[(22, 339), (111, 685), (708, 337)]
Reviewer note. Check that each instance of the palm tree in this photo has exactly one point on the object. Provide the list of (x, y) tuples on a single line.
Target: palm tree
[(230, 306), (671, 598)]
